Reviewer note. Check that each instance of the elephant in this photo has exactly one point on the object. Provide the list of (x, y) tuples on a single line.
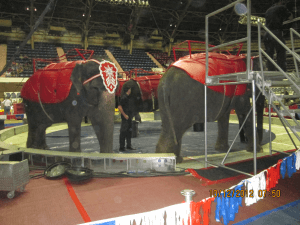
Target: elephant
[(181, 104), (260, 102), (260, 105), (91, 99), (141, 98)]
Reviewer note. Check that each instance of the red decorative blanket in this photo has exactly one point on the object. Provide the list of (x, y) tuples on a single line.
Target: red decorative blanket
[(148, 85), (52, 83), (218, 64)]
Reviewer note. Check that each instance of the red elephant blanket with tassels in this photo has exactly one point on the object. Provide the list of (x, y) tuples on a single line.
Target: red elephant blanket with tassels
[(218, 64), (51, 84)]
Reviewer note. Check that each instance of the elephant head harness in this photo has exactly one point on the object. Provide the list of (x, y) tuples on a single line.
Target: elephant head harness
[(52, 84)]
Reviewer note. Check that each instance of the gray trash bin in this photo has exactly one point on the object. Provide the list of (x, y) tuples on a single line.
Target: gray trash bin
[(198, 127)]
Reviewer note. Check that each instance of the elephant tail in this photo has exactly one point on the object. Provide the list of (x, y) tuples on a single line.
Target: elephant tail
[(167, 107)]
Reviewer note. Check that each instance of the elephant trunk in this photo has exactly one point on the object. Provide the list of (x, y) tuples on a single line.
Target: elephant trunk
[(102, 119)]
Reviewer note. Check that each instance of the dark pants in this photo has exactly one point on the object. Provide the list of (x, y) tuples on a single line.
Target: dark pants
[(271, 45), (125, 132)]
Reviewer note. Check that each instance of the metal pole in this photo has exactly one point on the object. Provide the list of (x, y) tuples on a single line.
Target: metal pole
[(254, 126), (270, 124), (188, 194), (293, 49), (205, 89), (249, 39), (288, 132)]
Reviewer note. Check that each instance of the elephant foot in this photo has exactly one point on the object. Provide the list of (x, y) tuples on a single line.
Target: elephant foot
[(244, 140), (221, 148), (45, 147), (259, 149)]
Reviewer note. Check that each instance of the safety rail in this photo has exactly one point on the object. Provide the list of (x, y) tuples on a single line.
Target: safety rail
[(190, 49), (291, 79), (292, 31), (247, 77), (246, 39), (266, 80)]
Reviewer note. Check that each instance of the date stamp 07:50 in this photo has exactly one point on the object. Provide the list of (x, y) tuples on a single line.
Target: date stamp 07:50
[(244, 193)]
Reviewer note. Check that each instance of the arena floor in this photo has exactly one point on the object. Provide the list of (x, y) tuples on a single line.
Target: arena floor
[(61, 202)]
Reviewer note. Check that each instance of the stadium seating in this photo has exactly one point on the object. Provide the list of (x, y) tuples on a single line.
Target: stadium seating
[(22, 66)]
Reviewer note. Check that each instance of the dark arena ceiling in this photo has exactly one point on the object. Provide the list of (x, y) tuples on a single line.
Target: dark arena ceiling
[(167, 19)]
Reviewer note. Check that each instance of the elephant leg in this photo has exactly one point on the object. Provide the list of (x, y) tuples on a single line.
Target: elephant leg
[(248, 128), (74, 135), (171, 135), (31, 135), (168, 144), (37, 137), (223, 128), (243, 138), (260, 103), (41, 141)]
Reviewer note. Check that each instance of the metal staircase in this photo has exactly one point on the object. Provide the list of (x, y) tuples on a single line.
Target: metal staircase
[(268, 82)]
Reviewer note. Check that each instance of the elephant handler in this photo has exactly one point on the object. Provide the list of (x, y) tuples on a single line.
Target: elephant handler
[(275, 16), (126, 116)]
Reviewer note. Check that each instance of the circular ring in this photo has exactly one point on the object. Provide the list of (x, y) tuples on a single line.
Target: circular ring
[(56, 170), (79, 173)]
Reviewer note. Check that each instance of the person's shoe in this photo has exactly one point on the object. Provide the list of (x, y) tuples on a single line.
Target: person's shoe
[(130, 148), (122, 150)]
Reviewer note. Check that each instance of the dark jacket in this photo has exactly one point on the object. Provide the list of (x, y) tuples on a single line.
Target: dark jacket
[(126, 105), (275, 17)]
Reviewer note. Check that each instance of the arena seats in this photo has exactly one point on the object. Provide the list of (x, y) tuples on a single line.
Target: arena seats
[(70, 54), (23, 65), (138, 59), (98, 50), (164, 59)]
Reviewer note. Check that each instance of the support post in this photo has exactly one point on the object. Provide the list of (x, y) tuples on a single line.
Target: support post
[(254, 127), (188, 194), (131, 43)]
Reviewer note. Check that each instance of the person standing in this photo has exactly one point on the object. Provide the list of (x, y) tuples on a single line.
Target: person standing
[(7, 104), (275, 16), (126, 116)]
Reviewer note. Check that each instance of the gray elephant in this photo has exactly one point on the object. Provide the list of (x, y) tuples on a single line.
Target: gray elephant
[(260, 102), (69, 98), (141, 98), (181, 103)]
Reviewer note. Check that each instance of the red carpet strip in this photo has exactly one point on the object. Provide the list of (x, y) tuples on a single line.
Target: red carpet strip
[(76, 201)]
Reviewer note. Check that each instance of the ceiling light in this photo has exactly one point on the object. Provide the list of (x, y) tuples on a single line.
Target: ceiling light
[(240, 9), (254, 20)]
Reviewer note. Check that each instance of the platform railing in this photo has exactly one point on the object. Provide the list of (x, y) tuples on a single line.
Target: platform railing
[(292, 32), (265, 83), (248, 76)]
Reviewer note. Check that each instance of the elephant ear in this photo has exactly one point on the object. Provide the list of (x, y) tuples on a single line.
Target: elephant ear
[(76, 77)]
